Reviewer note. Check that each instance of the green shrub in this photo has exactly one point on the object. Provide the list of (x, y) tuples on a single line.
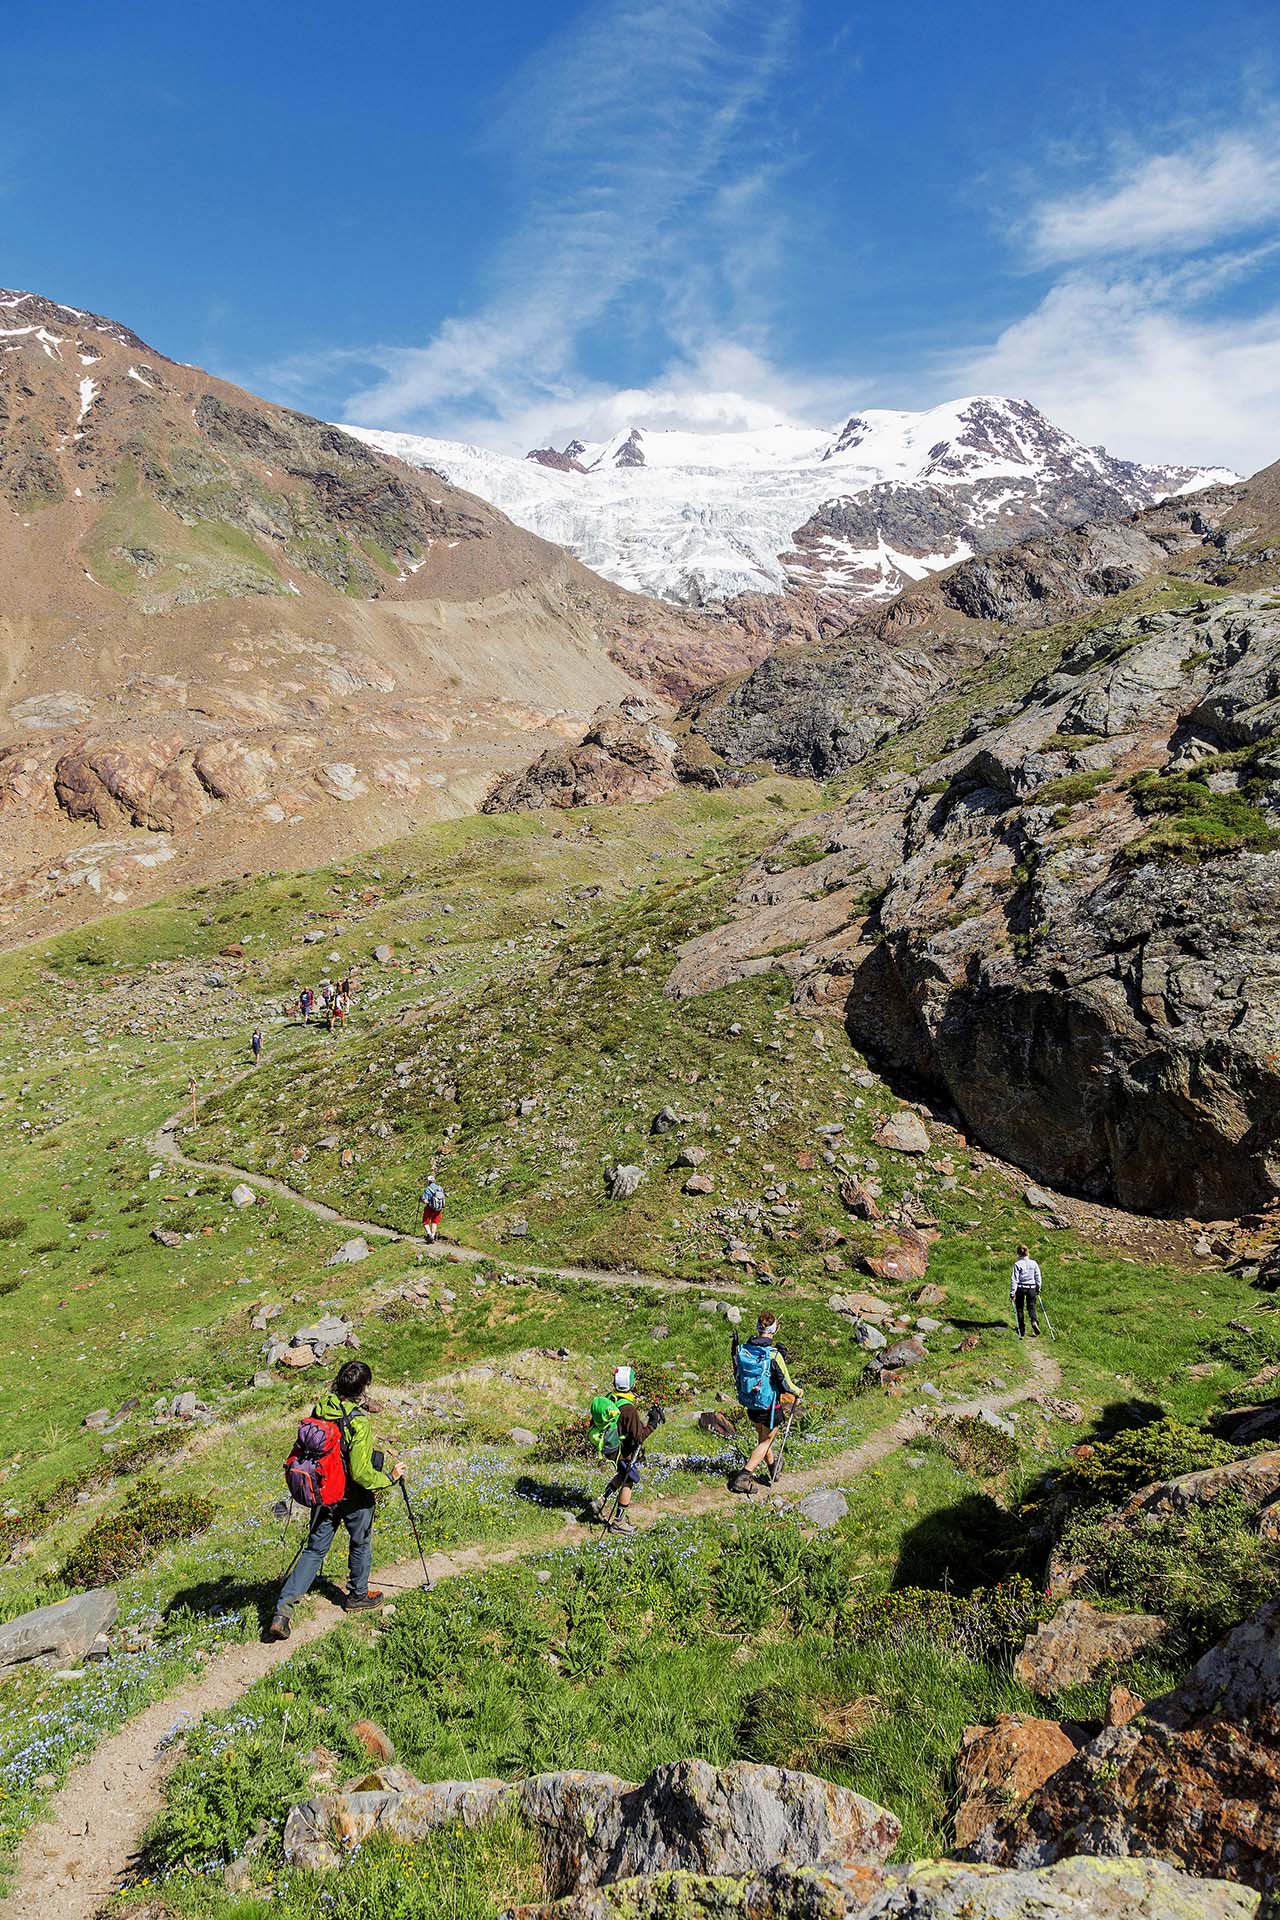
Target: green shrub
[(41, 1512), (976, 1446), (12, 1227), (1113, 1469), (122, 1542), (1204, 1570), (1198, 823), (986, 1623)]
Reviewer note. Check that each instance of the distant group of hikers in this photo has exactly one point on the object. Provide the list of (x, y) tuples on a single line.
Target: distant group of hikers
[(331, 1007), (336, 1472)]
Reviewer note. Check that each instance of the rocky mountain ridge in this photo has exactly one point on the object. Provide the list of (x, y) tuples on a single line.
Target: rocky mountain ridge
[(225, 622)]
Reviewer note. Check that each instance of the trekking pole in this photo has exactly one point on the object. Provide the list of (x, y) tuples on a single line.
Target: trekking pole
[(1048, 1322), (776, 1468), (417, 1538)]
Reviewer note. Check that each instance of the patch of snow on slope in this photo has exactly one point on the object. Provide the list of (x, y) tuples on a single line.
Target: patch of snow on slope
[(88, 394)]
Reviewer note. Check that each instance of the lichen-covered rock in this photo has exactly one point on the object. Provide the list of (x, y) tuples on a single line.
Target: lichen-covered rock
[(998, 1766), (1076, 1889), (594, 1828)]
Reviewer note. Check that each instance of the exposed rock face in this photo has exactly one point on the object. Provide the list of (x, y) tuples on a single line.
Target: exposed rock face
[(224, 620), (1000, 1765), (595, 1828), (1066, 926), (1195, 1778), (626, 754), (932, 1890), (1079, 1643), (818, 710)]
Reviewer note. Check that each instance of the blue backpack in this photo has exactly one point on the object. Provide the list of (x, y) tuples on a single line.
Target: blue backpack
[(433, 1196), (753, 1374)]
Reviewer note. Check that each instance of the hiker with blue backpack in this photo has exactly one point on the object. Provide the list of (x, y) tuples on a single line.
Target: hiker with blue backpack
[(432, 1207), (335, 1472), (618, 1431), (770, 1397)]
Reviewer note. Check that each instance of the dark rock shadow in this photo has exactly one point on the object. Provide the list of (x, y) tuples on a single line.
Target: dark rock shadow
[(974, 1543)]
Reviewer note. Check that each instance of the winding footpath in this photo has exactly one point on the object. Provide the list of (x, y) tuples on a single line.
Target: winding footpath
[(85, 1848)]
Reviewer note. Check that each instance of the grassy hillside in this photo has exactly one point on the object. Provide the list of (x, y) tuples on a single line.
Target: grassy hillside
[(522, 1043)]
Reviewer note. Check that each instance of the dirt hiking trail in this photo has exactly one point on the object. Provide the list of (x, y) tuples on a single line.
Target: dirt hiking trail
[(83, 1851)]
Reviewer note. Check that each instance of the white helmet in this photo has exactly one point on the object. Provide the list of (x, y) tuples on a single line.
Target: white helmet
[(624, 1378)]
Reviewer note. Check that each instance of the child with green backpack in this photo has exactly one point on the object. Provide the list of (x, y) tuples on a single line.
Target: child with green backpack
[(618, 1431)]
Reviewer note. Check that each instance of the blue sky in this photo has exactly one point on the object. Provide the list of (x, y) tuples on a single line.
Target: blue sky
[(518, 220)]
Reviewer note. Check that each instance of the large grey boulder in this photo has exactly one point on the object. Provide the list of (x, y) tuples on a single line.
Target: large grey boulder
[(62, 1632), (594, 1828), (1075, 1889), (349, 1251)]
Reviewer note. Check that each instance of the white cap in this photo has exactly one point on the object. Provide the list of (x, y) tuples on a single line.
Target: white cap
[(624, 1378)]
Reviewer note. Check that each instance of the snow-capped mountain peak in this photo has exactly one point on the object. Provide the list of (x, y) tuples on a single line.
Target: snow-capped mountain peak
[(850, 511)]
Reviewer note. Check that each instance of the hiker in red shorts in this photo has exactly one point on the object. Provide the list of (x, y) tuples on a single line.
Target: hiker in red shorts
[(432, 1207)]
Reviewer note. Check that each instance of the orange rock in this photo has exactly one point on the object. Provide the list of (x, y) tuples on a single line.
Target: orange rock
[(1000, 1765), (374, 1741)]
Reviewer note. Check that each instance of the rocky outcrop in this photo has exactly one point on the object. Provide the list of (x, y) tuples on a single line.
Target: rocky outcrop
[(594, 1828), (1064, 924), (931, 1890), (1254, 1480), (818, 710), (1195, 1778), (1080, 1643), (626, 754)]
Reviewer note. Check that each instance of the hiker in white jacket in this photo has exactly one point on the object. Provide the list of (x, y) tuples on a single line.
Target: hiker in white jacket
[(1025, 1283)]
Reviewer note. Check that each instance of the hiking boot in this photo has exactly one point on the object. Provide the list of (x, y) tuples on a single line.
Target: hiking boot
[(624, 1523), (362, 1602), (279, 1628), (742, 1482), (594, 1509)]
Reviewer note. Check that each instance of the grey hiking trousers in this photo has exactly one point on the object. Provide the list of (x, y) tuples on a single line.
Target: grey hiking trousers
[(355, 1513)]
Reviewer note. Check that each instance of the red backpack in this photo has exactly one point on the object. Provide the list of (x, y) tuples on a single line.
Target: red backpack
[(316, 1471)]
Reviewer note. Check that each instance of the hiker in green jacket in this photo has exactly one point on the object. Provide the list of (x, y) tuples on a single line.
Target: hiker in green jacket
[(364, 1479)]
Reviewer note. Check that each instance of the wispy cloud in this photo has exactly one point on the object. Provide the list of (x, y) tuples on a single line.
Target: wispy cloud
[(1115, 362), (1160, 334), (1168, 202), (629, 136)]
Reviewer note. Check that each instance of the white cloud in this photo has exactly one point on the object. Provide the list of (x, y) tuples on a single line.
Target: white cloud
[(622, 133), (721, 386), (1167, 202), (1115, 362)]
